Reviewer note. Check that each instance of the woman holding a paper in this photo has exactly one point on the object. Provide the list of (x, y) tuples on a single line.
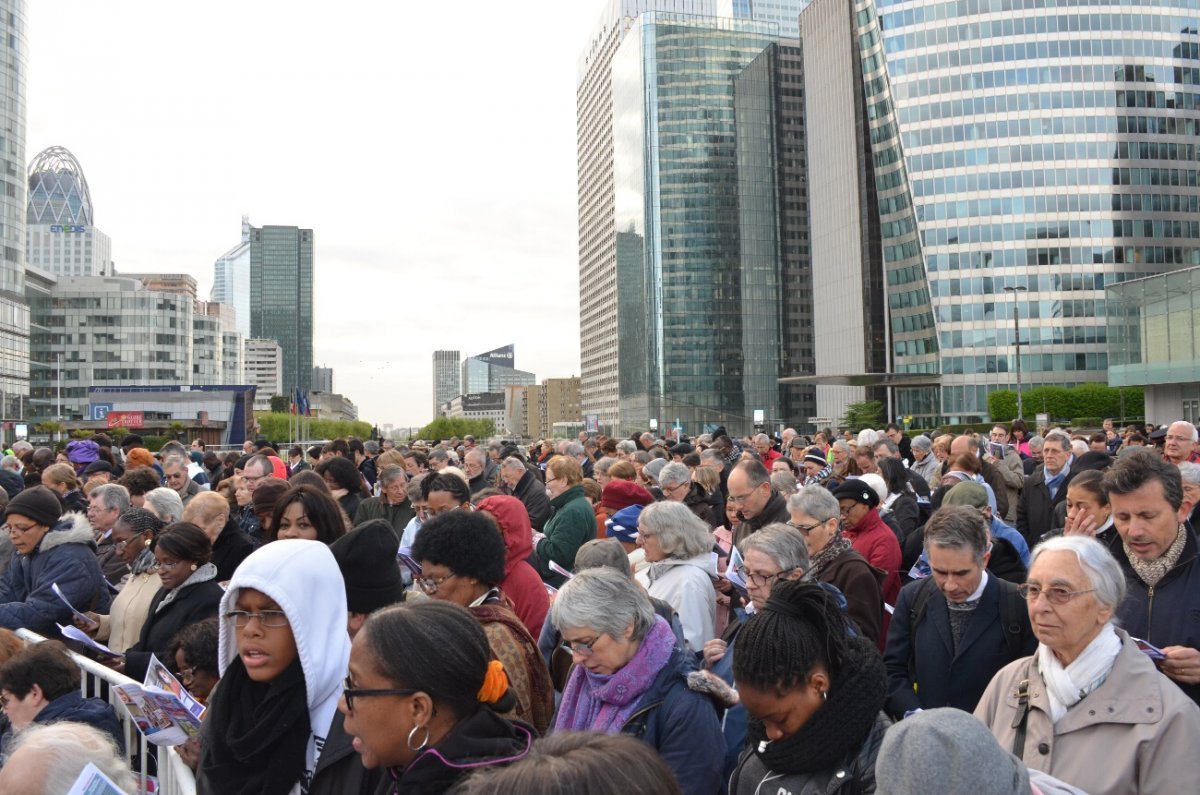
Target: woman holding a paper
[(121, 627)]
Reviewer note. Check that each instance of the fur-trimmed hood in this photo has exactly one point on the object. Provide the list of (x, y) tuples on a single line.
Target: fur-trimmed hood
[(72, 528)]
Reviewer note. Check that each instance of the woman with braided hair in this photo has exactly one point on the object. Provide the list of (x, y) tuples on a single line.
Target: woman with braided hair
[(814, 695), (419, 699)]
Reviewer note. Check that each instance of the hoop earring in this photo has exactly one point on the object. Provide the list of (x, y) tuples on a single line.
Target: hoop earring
[(424, 742)]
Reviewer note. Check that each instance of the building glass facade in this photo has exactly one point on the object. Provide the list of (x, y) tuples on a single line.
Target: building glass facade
[(1050, 150), (446, 379), (231, 280), (281, 297), (14, 312)]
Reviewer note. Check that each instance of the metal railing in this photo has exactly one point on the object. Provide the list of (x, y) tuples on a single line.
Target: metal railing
[(97, 681)]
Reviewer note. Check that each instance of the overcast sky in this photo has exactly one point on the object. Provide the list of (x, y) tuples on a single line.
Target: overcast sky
[(431, 146)]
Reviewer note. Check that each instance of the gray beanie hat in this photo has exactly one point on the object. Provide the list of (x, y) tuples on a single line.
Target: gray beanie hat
[(946, 750)]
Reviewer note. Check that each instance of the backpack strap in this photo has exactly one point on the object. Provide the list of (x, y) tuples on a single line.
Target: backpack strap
[(916, 612), (1021, 719), (1012, 608)]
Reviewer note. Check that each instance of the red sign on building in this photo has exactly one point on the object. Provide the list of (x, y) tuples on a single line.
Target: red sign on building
[(126, 419)]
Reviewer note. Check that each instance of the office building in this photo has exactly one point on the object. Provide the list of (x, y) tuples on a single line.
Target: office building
[(220, 416), (322, 379), (264, 370), (1021, 163), (445, 379), (60, 232), (231, 279), (94, 331), (217, 347), (492, 371), (14, 312), (331, 406), (478, 406), (281, 297)]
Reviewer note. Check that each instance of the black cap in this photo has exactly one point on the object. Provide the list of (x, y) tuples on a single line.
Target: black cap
[(37, 503), (97, 466), (367, 557), (855, 489)]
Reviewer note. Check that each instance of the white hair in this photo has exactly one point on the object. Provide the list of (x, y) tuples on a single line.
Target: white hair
[(1102, 570), (1079, 447), (65, 748), (165, 503), (867, 438), (1191, 427)]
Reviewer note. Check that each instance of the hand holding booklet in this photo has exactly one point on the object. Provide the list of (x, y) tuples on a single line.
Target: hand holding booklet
[(88, 622), (161, 708), (78, 635)]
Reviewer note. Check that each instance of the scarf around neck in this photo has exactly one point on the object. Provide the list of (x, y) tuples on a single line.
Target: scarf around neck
[(203, 574), (1151, 571), (839, 728), (603, 703), (820, 477), (836, 546), (1066, 687), (144, 563)]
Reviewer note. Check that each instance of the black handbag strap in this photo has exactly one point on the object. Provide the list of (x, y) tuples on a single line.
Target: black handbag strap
[(1021, 719)]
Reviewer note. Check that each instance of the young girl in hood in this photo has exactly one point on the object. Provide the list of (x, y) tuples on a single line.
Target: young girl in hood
[(273, 726)]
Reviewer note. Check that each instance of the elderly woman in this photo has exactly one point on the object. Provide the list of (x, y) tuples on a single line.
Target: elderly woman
[(677, 485), (773, 554), (572, 525), (462, 560), (392, 504), (816, 514), (133, 536), (165, 503), (630, 677), (678, 546), (1089, 707)]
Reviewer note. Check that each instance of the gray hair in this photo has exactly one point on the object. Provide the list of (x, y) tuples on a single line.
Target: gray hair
[(1189, 472), (165, 503), (867, 438), (627, 446), (673, 474), (512, 462), (1102, 570), (762, 438), (174, 461), (414, 487), (960, 527), (478, 454), (112, 495), (652, 469), (391, 473), (815, 502), (10, 462), (65, 749), (641, 456), (371, 446), (603, 552), (1060, 438), (605, 601), (1036, 442), (574, 449), (892, 447), (1191, 427), (922, 442), (783, 482), (439, 455), (681, 533), (601, 466), (843, 445), (781, 543), (712, 454)]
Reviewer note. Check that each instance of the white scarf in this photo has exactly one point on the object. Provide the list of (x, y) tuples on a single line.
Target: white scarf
[(1066, 687)]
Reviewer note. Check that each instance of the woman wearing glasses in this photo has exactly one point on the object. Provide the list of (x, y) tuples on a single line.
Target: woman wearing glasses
[(419, 695), (462, 559), (189, 593), (132, 537), (630, 677), (1089, 707), (273, 722)]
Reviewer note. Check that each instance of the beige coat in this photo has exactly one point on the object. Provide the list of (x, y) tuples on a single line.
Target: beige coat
[(122, 627), (1136, 733)]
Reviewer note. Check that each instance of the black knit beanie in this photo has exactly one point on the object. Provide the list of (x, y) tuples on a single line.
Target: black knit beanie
[(367, 557), (38, 503)]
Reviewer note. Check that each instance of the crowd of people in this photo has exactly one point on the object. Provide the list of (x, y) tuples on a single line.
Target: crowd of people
[(841, 613)]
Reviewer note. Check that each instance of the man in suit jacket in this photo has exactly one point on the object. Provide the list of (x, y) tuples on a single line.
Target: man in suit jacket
[(1045, 488), (946, 654)]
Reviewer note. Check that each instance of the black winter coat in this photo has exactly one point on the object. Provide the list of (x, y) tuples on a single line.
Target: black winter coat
[(231, 548), (194, 603), (339, 768), (1035, 511), (532, 493)]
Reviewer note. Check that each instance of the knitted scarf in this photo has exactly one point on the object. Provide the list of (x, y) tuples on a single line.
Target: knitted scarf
[(839, 727), (1151, 571), (836, 546), (603, 703), (145, 561), (820, 477), (1066, 687), (256, 739)]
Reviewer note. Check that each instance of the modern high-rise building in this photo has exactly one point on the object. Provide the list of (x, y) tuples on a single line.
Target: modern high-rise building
[(217, 347), (231, 279), (60, 232), (264, 370), (1021, 159), (492, 371), (14, 312), (445, 379), (322, 379), (281, 297), (665, 331)]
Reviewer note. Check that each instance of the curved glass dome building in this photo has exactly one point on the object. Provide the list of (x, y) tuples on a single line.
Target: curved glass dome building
[(58, 190), (1051, 147)]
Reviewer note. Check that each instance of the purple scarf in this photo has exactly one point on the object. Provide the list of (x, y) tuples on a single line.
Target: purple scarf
[(595, 702)]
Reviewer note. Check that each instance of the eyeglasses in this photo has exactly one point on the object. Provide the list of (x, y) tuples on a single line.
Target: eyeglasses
[(761, 580), (581, 647), (430, 584), (271, 619), (1055, 596), (350, 693), (187, 674), (805, 529), (10, 528), (741, 499), (168, 566), (120, 545)]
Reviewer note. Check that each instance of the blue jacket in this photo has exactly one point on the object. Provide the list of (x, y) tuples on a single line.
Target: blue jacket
[(1171, 616), (67, 556), (942, 677), (682, 726), (95, 712)]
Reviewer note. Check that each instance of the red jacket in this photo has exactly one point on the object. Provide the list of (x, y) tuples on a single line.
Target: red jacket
[(876, 542), (521, 583)]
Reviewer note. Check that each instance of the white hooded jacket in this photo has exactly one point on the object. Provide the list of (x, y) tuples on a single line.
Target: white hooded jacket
[(303, 578), (686, 584)]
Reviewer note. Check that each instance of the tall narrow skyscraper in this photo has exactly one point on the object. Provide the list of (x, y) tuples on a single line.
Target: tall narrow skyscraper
[(445, 379), (231, 280), (281, 298), (60, 232), (14, 312)]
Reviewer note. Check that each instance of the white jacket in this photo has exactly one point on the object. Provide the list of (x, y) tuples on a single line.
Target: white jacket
[(685, 584)]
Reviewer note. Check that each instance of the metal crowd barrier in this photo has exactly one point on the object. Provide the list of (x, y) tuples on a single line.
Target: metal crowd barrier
[(174, 777)]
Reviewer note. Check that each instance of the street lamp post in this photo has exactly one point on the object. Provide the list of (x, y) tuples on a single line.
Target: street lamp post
[(1017, 342)]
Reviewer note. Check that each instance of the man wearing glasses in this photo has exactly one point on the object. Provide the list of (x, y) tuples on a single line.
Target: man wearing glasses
[(1180, 443), (758, 505)]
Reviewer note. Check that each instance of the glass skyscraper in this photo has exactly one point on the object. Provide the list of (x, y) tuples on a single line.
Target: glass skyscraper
[(14, 312), (281, 298), (1051, 149)]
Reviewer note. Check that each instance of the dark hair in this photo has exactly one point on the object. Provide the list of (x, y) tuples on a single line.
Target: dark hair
[(1136, 468), (261, 461), (433, 646), (895, 475), (1019, 425), (306, 477), (582, 763), (139, 481), (343, 472), (1091, 481), (791, 465), (1098, 437), (314, 451), (199, 644), (356, 446), (449, 483), (756, 473), (466, 542), (321, 509), (131, 440), (801, 627), (338, 448), (47, 665), (184, 541), (421, 459), (295, 450), (139, 520)]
